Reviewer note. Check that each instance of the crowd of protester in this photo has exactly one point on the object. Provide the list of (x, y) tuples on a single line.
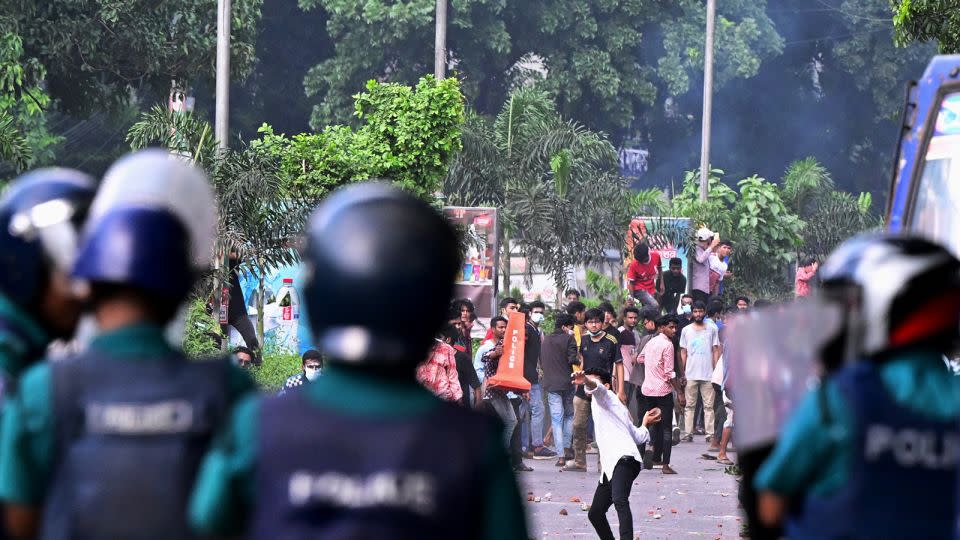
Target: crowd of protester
[(662, 350)]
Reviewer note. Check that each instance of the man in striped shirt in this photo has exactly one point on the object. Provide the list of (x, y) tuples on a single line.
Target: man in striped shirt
[(660, 380)]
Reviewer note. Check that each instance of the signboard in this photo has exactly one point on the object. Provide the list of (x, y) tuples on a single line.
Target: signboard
[(666, 236), (478, 276), (276, 333)]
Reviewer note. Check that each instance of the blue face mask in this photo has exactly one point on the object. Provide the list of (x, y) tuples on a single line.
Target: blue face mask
[(686, 309)]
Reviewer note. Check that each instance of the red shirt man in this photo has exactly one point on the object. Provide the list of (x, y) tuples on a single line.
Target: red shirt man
[(643, 276)]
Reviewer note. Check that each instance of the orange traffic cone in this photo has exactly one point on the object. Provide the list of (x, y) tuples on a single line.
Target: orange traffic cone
[(509, 374)]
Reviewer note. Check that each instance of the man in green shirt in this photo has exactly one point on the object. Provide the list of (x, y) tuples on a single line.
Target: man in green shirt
[(365, 451), (105, 445)]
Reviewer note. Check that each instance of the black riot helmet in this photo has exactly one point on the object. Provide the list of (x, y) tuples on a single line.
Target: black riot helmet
[(371, 250)]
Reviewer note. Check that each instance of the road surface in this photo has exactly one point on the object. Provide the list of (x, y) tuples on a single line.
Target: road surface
[(699, 502)]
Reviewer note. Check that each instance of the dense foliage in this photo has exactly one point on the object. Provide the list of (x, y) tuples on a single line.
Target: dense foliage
[(603, 61), (96, 52), (25, 139), (925, 20), (557, 182), (406, 136)]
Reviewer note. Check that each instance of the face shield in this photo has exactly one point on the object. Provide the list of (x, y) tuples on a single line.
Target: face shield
[(54, 224)]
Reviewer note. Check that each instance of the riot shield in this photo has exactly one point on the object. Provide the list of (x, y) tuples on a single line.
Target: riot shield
[(772, 356)]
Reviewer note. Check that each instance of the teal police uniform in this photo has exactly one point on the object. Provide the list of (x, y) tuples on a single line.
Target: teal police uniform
[(27, 440), (225, 490), (814, 453), (20, 336)]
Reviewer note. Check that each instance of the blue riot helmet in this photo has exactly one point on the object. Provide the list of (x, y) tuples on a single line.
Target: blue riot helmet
[(372, 248), (896, 292), (41, 213), (151, 227)]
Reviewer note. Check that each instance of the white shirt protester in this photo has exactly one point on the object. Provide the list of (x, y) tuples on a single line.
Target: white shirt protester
[(699, 344), (616, 435)]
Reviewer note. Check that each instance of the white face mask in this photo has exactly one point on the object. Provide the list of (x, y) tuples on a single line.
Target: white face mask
[(311, 373), (536, 317)]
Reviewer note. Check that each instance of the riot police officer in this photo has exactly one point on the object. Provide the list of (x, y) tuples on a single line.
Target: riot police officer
[(40, 216), (365, 451), (873, 452), (106, 445)]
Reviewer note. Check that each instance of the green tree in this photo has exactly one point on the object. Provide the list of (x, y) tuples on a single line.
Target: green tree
[(97, 51), (257, 217), (928, 20), (599, 60), (556, 182), (756, 218), (406, 135), (24, 138), (745, 37), (830, 216)]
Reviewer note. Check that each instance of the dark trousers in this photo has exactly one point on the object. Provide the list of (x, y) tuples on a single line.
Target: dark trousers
[(615, 490), (641, 404), (516, 453), (661, 433), (750, 462), (700, 296), (719, 414), (245, 328)]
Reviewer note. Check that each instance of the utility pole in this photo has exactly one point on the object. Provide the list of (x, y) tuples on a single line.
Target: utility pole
[(707, 102), (440, 42), (222, 132), (222, 121)]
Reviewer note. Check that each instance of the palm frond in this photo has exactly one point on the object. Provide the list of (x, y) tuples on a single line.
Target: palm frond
[(13, 146)]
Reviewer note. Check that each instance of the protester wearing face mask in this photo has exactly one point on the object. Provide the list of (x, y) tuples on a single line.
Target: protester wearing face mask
[(531, 422), (598, 350), (312, 365)]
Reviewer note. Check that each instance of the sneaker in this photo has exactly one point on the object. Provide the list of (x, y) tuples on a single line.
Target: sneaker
[(668, 470), (686, 438), (544, 453), (698, 431), (521, 467), (561, 462), (648, 459), (676, 436), (573, 467)]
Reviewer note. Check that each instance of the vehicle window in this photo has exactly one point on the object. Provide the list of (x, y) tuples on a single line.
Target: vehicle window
[(936, 211)]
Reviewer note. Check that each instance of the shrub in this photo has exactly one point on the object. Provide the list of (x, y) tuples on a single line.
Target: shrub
[(276, 368), (199, 331)]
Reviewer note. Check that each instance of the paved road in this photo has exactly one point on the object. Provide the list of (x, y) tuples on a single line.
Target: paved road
[(699, 502)]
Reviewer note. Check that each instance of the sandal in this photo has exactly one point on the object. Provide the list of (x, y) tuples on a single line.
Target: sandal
[(708, 456), (724, 461)]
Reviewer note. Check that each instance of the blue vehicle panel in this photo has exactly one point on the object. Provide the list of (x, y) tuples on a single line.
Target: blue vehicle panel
[(926, 115)]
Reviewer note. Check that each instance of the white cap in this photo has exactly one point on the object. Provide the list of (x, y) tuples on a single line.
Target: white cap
[(704, 234)]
